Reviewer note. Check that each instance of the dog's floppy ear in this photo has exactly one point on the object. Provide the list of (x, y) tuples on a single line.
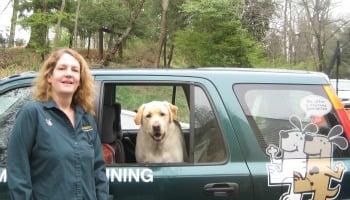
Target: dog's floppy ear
[(138, 116), (173, 111)]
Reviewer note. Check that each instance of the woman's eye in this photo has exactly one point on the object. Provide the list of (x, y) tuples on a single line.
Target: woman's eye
[(162, 114), (148, 116)]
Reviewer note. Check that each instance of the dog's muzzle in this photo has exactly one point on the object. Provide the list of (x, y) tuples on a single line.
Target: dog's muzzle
[(157, 136)]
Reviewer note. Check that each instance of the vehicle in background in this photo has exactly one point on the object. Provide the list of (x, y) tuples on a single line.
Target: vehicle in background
[(343, 91)]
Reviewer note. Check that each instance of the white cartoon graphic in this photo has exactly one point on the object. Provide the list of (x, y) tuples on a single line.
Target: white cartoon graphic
[(292, 157), (48, 122), (320, 167), (304, 162)]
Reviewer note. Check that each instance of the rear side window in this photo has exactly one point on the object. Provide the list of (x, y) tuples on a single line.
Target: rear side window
[(286, 116)]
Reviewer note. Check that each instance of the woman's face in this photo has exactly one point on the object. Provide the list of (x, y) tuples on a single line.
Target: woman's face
[(65, 78)]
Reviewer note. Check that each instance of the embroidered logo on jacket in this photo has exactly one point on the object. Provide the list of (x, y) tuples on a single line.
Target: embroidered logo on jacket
[(48, 122)]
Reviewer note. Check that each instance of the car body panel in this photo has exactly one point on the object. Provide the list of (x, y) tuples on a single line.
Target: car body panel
[(246, 166)]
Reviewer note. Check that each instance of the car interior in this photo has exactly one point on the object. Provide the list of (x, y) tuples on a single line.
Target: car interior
[(118, 143)]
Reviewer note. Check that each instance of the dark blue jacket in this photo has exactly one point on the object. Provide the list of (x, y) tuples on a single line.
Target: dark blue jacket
[(48, 158)]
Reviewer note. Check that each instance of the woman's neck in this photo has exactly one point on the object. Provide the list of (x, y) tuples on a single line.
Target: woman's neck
[(64, 103)]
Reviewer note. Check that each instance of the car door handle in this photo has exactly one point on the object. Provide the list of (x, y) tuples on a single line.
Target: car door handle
[(221, 189)]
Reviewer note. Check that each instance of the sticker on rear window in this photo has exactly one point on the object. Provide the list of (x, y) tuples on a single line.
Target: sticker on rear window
[(303, 161), (315, 105)]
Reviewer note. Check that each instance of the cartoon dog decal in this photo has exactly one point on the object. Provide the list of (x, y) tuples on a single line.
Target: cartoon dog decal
[(292, 157), (320, 167), (305, 161)]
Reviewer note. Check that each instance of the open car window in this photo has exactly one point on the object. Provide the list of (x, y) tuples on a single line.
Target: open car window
[(203, 139)]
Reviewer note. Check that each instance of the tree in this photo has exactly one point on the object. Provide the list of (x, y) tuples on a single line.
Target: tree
[(215, 36), (135, 14), (256, 17), (76, 24), (13, 23), (318, 15), (59, 20), (163, 32)]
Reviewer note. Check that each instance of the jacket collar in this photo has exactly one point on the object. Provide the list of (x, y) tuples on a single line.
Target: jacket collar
[(52, 104)]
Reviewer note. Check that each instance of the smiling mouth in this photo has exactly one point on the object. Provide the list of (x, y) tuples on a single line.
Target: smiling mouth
[(293, 150), (67, 82), (158, 137)]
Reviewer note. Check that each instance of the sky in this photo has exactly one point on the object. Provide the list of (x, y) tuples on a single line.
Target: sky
[(342, 9)]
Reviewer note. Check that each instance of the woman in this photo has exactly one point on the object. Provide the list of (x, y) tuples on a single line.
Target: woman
[(54, 151)]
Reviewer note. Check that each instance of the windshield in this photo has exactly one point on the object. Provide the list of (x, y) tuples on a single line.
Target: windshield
[(10, 103)]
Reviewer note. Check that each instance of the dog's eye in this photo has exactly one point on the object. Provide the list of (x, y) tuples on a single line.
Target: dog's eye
[(148, 116), (162, 114)]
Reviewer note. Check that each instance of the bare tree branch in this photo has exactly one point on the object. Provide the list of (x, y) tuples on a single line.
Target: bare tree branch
[(8, 3), (126, 33)]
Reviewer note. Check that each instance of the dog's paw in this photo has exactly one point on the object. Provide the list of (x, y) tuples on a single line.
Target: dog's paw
[(340, 166), (272, 150)]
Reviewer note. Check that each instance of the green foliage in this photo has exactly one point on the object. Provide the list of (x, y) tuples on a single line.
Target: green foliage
[(215, 36), (257, 16), (109, 14), (64, 39), (132, 97)]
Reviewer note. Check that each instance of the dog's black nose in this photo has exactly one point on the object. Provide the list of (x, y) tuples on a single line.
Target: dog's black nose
[(156, 128), (308, 138)]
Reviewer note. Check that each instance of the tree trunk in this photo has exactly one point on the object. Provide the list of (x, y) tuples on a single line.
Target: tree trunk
[(58, 25), (171, 55), (126, 33), (318, 20), (13, 23), (163, 32), (285, 26), (164, 53), (89, 42), (100, 43), (76, 24), (39, 31), (290, 34)]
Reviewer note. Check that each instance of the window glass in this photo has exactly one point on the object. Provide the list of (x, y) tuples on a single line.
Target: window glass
[(10, 103), (275, 110), (208, 141), (207, 145)]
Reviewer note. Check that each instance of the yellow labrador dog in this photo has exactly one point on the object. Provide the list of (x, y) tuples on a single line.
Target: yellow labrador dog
[(159, 139)]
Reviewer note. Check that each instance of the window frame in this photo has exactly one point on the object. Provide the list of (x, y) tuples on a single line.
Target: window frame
[(190, 151)]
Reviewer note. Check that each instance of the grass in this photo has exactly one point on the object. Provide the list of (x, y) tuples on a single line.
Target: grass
[(14, 61), (132, 97)]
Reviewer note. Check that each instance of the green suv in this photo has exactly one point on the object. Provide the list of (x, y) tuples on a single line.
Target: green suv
[(249, 134)]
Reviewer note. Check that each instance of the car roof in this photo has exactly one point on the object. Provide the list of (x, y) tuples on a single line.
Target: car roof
[(237, 74)]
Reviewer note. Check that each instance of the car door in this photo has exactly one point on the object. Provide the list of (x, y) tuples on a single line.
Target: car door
[(12, 97), (215, 169)]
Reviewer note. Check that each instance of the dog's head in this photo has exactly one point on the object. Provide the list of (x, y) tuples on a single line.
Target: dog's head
[(322, 146), (155, 117)]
